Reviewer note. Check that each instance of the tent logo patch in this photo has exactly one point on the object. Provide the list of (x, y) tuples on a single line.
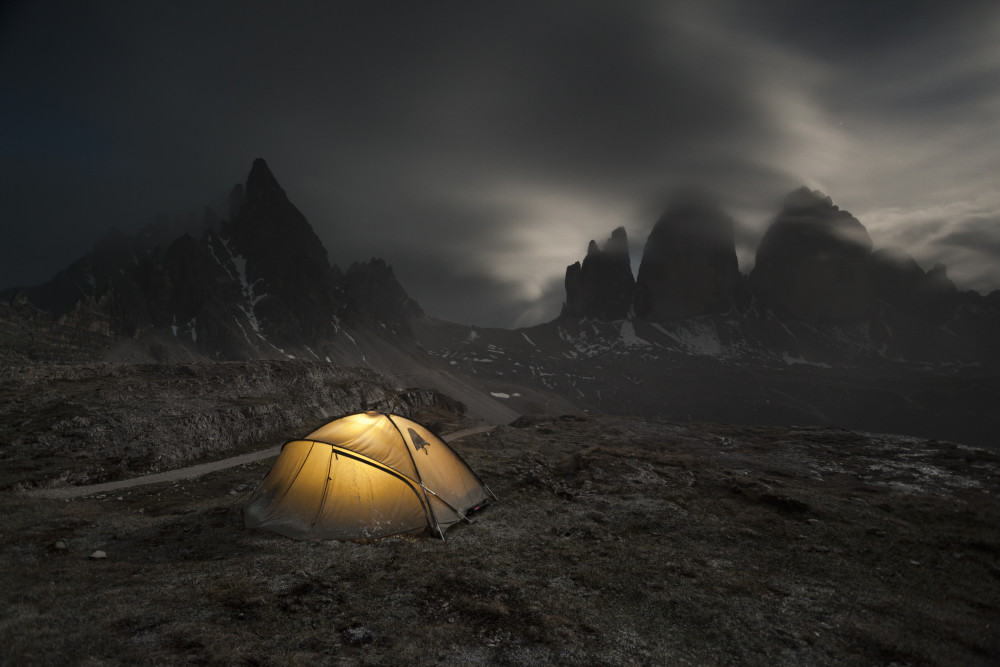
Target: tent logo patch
[(418, 442)]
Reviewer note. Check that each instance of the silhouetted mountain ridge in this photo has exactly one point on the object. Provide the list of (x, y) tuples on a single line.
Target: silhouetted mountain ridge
[(602, 285), (823, 331), (814, 269), (258, 285)]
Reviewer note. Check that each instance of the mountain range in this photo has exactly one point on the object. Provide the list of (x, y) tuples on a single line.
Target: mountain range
[(823, 330)]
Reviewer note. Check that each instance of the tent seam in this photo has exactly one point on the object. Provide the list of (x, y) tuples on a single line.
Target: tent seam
[(420, 479)]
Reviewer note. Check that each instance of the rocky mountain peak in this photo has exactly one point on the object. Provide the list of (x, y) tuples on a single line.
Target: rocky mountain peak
[(602, 286), (262, 185), (805, 199), (813, 263), (282, 260), (372, 291), (689, 265), (898, 280), (246, 287), (237, 197), (618, 243), (811, 218)]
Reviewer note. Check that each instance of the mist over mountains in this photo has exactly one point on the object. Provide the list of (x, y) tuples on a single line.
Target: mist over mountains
[(815, 264), (825, 329)]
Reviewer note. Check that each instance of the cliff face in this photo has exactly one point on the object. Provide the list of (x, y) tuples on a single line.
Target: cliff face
[(373, 293), (602, 286), (816, 284), (689, 264), (813, 263), (282, 262)]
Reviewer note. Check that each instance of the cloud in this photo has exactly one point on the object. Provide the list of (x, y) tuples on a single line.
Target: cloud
[(496, 138), (964, 236)]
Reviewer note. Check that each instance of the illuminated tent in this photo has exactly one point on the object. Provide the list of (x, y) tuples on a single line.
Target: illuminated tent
[(365, 476)]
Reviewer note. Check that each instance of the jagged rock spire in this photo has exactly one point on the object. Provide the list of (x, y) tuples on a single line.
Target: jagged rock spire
[(602, 286), (261, 183), (689, 264)]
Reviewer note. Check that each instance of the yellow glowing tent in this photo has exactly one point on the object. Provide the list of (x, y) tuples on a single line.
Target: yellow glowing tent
[(365, 476)]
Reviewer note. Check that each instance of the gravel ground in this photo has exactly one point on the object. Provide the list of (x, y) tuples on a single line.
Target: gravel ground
[(614, 541)]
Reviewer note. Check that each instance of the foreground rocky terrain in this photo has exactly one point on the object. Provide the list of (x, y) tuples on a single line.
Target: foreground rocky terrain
[(615, 541)]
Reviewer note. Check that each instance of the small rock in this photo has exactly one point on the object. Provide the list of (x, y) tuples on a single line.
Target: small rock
[(98, 555), (821, 549), (60, 546), (357, 636)]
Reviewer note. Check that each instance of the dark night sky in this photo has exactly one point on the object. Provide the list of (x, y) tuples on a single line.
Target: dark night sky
[(478, 146)]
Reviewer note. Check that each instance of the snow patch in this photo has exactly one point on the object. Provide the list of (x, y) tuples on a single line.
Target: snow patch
[(499, 394), (250, 290), (531, 342), (629, 336), (240, 325)]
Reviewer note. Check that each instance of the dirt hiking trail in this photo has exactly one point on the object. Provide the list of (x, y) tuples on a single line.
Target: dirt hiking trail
[(200, 469)]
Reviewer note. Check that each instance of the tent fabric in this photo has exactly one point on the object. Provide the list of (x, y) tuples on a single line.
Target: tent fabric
[(365, 476)]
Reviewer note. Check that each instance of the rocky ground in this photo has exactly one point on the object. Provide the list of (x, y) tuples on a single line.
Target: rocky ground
[(614, 541), (89, 423)]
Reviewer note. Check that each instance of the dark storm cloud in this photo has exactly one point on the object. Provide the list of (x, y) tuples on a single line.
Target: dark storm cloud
[(477, 147)]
